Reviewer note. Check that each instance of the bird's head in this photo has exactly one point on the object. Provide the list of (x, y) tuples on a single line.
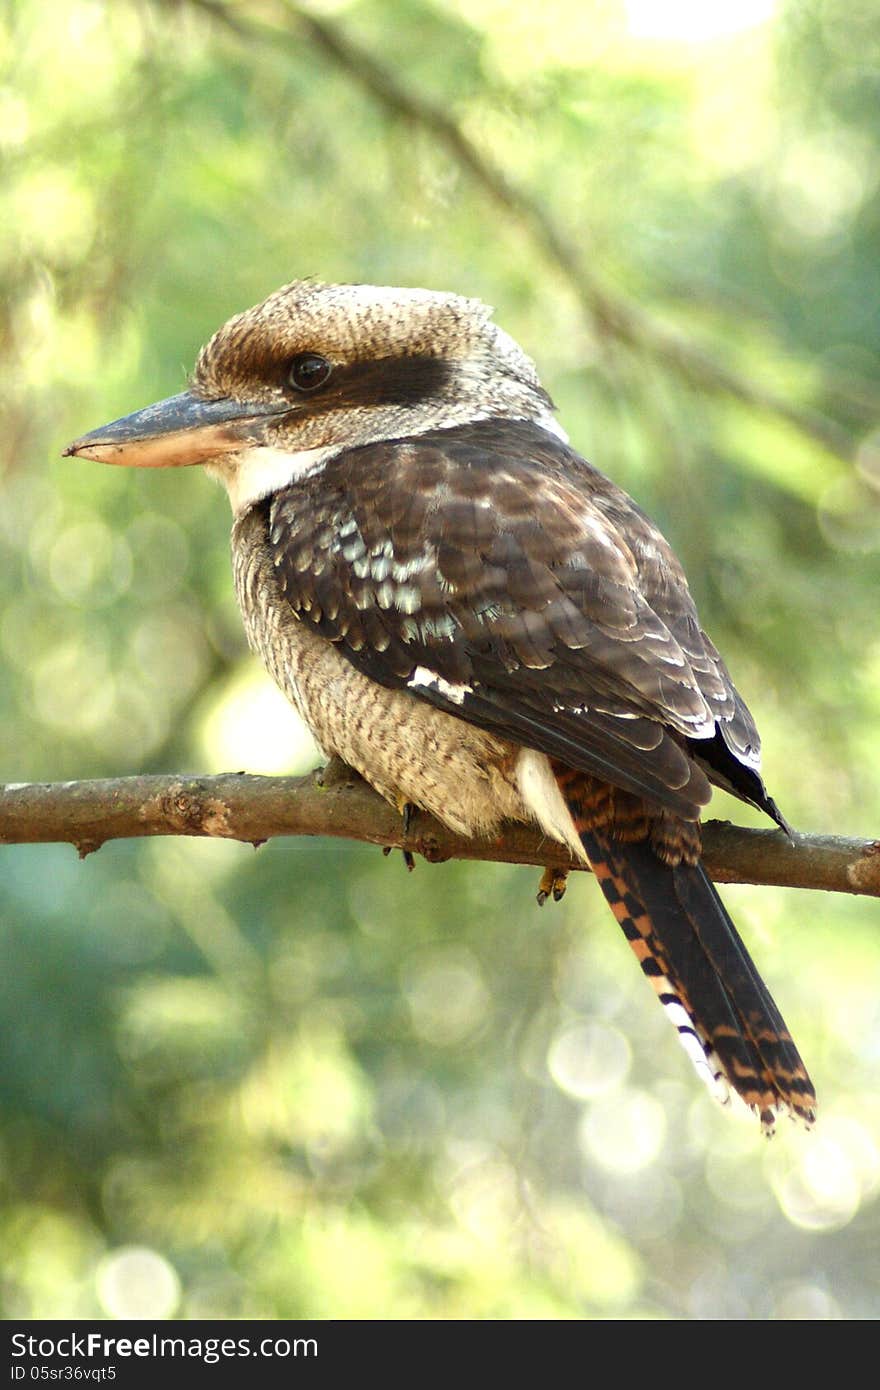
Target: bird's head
[(316, 369)]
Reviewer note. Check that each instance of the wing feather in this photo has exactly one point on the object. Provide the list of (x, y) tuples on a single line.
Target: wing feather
[(545, 604)]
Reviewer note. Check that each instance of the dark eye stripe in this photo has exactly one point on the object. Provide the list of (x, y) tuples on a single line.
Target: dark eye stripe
[(401, 381)]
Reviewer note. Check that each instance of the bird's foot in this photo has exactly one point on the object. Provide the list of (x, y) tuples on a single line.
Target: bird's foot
[(407, 811), (553, 883), (408, 858)]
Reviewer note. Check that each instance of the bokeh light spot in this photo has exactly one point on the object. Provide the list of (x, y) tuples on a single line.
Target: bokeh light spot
[(625, 1132), (589, 1059), (251, 725), (137, 1283), (446, 995)]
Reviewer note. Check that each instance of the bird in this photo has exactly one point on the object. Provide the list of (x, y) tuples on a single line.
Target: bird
[(481, 623)]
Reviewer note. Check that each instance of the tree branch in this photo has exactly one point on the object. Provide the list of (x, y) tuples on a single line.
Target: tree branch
[(334, 801)]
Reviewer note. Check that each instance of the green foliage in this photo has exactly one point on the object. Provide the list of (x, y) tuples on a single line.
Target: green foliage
[(305, 1083)]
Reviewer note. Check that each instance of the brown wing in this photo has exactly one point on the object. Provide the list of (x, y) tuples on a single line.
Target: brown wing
[(492, 571)]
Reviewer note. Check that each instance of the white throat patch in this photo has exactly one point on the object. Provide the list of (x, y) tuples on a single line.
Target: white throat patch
[(257, 472)]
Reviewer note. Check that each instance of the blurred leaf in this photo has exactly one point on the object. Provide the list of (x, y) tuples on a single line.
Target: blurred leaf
[(304, 1082)]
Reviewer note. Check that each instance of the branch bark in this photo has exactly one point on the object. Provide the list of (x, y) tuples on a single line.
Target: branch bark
[(334, 801)]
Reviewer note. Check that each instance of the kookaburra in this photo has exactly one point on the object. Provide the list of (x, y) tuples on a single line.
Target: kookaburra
[(478, 621)]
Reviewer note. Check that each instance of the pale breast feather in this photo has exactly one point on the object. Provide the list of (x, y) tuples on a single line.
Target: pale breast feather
[(487, 568)]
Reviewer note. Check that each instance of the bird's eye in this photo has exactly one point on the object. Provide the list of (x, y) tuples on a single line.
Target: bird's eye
[(308, 371)]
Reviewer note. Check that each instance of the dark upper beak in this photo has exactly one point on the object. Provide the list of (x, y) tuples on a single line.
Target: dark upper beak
[(182, 429)]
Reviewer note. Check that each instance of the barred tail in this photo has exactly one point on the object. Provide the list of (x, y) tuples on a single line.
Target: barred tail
[(695, 959)]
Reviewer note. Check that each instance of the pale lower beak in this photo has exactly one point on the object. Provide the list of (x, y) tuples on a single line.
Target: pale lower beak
[(180, 430)]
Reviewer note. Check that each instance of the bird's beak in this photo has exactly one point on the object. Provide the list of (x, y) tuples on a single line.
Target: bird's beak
[(180, 430)]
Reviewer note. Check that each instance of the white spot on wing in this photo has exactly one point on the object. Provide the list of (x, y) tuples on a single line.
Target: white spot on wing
[(598, 529), (703, 728), (404, 572), (442, 627), (408, 600), (431, 681)]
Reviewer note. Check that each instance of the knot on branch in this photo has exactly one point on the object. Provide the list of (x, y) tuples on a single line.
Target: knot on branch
[(864, 873), (429, 847), (190, 810)]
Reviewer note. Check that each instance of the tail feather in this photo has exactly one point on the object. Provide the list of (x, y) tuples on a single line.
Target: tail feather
[(755, 1004), (691, 952)]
